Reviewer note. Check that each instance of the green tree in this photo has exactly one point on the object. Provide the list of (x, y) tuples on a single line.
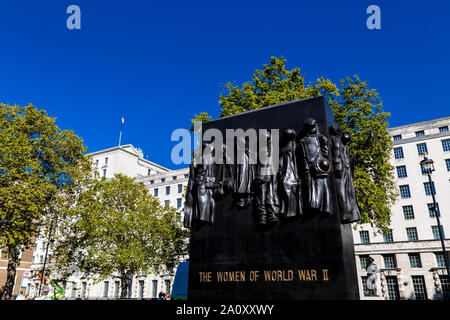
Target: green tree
[(202, 117), (38, 162), (113, 227), (358, 110)]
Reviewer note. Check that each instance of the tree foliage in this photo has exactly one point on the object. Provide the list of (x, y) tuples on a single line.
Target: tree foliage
[(358, 110), (38, 161), (114, 227)]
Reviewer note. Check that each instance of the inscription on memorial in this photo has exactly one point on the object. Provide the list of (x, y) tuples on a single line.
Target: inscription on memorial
[(264, 275)]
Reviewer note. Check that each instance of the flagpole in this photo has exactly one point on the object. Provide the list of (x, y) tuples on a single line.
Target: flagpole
[(120, 135)]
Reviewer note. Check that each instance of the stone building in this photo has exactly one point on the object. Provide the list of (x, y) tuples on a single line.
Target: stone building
[(23, 270), (410, 257)]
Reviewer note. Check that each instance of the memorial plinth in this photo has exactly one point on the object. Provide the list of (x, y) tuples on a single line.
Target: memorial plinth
[(308, 256)]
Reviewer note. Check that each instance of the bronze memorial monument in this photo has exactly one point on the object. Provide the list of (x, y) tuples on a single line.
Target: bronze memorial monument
[(273, 230)]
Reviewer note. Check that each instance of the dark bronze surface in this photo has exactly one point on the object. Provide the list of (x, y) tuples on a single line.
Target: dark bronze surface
[(344, 175)]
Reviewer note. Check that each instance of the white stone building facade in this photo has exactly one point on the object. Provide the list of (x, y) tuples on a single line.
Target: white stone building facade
[(410, 258)]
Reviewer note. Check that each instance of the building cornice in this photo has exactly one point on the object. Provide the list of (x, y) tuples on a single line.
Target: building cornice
[(400, 247), (123, 149), (421, 138), (423, 124)]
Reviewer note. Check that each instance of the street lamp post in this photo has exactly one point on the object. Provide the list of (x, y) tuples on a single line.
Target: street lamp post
[(428, 167), (45, 259)]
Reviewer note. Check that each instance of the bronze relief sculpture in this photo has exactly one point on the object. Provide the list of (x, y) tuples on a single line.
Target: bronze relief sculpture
[(266, 202), (313, 148), (342, 165), (243, 174), (289, 182), (300, 183), (200, 202)]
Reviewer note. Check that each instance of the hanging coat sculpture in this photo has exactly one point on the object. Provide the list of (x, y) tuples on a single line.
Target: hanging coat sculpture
[(265, 186), (344, 175), (243, 174), (289, 182), (313, 148), (200, 202)]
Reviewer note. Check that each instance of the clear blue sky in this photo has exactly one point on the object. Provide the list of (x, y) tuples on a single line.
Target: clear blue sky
[(159, 62)]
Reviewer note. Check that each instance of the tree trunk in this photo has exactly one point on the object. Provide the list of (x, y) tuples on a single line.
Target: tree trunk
[(122, 284), (13, 261)]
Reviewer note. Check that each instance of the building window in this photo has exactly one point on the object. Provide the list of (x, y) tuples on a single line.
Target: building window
[(163, 180), (105, 289), (174, 178), (435, 230), (422, 148), (149, 172), (167, 283), (443, 129), (367, 292), (404, 191), (116, 289), (440, 260), (178, 217), (446, 144), (104, 172), (167, 203), (155, 192), (447, 163), (445, 286), (96, 163), (398, 153), (427, 188), (179, 203), (154, 288), (167, 190), (411, 233), (363, 261), (397, 137), (387, 237), (389, 261), (141, 289), (420, 133), (180, 188), (106, 160), (432, 211), (392, 286), (401, 172), (420, 290), (186, 175), (414, 260), (364, 236), (152, 181), (408, 212)]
